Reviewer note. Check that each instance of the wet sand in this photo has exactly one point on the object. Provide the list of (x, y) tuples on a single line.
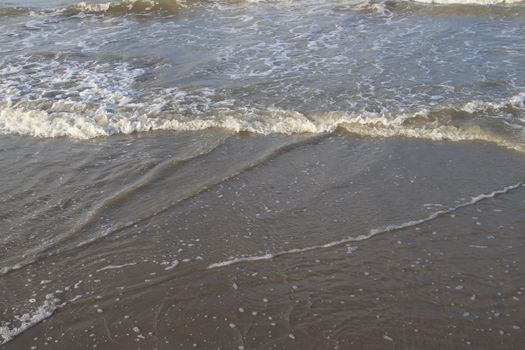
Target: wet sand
[(256, 242)]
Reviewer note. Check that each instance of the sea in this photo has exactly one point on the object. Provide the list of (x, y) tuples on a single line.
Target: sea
[(262, 174)]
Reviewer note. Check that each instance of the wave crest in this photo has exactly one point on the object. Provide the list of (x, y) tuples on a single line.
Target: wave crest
[(123, 7), (455, 124), (470, 2), (128, 6), (53, 95), (114, 8)]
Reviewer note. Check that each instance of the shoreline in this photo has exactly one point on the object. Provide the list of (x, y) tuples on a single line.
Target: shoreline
[(124, 280)]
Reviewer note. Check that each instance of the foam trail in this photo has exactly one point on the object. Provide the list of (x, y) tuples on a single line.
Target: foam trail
[(46, 310), (114, 267), (28, 320), (372, 233), (173, 265)]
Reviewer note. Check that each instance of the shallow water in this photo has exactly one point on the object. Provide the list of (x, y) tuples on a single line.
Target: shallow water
[(225, 174)]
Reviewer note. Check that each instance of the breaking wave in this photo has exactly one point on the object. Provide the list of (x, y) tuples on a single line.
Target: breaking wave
[(122, 7), (449, 7), (107, 8), (53, 95), (470, 2), (455, 124), (129, 6)]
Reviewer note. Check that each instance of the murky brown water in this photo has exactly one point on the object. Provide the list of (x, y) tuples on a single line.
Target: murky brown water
[(135, 271), (278, 174)]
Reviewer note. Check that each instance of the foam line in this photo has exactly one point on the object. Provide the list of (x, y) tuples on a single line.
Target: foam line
[(421, 124), (28, 320), (114, 267), (371, 233)]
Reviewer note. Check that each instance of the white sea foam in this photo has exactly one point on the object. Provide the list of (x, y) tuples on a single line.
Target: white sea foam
[(518, 101), (61, 96), (173, 265), (114, 267), (51, 304), (83, 6), (125, 6), (471, 2), (40, 123), (4, 270), (28, 320), (372, 232), (104, 7), (98, 8), (372, 6)]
